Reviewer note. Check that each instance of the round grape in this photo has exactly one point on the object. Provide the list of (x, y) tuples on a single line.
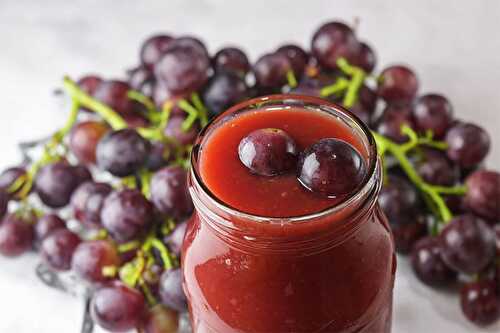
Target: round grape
[(468, 144), (297, 57), (89, 84), (153, 48), (92, 257), (171, 292), (480, 302), (8, 177), (224, 90), (176, 237), (114, 93), (126, 213), (87, 202), (117, 308), (161, 319), (56, 182), (4, 202), (271, 70), (268, 152), (57, 249), (183, 68), (332, 41), (122, 152), (397, 83), (427, 263), (433, 112), (84, 138), (435, 168), (331, 167), (169, 192), (160, 155), (47, 224), (483, 194), (16, 235), (231, 59), (142, 80), (394, 117), (365, 58), (468, 244)]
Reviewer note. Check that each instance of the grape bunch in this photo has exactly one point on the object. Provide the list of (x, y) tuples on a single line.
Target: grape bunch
[(107, 199)]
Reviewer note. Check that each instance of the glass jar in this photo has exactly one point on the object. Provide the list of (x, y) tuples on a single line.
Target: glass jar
[(330, 271)]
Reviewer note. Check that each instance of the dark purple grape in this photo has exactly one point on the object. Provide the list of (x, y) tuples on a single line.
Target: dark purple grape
[(483, 194), (397, 83), (174, 131), (126, 213), (480, 302), (427, 263), (183, 68), (161, 319), (169, 192), (400, 202), (16, 235), (84, 138), (365, 58), (176, 237), (4, 202), (368, 98), (92, 257), (190, 42), (56, 182), (142, 80), (8, 177), (89, 84), (297, 57), (87, 202), (433, 112), (224, 90), (331, 167), (394, 117), (332, 41), (268, 152), (114, 93), (231, 59), (117, 308), (122, 152), (468, 244), (153, 48), (160, 155), (468, 144), (171, 292), (57, 249), (435, 168), (47, 224), (271, 70)]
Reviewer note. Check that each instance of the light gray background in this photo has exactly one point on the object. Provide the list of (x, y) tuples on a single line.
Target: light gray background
[(453, 46)]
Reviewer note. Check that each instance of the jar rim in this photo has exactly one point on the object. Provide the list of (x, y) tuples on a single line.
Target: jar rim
[(369, 181)]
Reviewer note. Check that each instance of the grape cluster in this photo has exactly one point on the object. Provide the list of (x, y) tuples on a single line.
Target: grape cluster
[(123, 236)]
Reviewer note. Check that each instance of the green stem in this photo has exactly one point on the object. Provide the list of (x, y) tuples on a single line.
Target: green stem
[(108, 114), (192, 114), (201, 107), (291, 79), (165, 255), (143, 99), (340, 85), (432, 191)]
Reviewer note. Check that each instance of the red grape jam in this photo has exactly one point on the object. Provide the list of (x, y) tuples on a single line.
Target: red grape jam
[(263, 253)]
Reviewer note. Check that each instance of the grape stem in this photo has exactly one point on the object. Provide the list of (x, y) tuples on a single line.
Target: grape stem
[(357, 78), (108, 114), (291, 79), (432, 192)]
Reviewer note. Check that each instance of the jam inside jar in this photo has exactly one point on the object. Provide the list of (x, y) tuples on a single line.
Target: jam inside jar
[(311, 264)]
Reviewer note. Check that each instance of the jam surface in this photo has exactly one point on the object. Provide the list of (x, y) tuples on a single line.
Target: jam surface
[(277, 196)]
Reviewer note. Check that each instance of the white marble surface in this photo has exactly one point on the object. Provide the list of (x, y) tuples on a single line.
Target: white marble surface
[(453, 45)]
